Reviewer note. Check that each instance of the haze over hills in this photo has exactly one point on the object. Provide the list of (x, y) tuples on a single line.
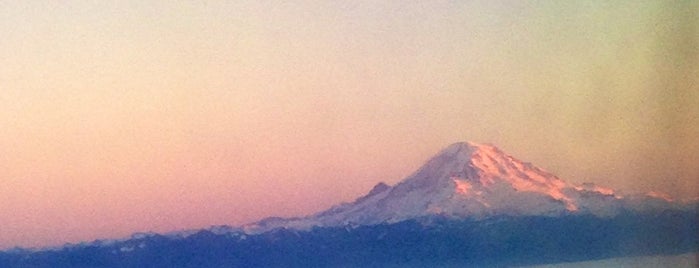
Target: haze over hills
[(471, 204)]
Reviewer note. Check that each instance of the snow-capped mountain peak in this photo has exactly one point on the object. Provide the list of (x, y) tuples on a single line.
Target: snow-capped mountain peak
[(487, 165), (465, 180)]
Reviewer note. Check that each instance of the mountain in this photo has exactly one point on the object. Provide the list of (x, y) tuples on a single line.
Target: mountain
[(476, 181), (470, 205)]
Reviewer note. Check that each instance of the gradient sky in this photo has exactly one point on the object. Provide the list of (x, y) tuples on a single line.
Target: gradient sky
[(125, 116)]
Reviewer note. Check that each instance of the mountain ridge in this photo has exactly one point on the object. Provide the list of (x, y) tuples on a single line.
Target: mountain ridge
[(472, 180), (469, 205)]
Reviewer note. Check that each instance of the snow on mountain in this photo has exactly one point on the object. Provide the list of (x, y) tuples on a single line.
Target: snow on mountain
[(467, 185), (469, 180), (465, 179)]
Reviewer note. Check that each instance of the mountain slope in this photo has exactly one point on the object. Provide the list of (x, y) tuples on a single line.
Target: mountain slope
[(470, 205), (470, 180)]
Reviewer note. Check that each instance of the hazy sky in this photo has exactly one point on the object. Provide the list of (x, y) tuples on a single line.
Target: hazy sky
[(125, 116)]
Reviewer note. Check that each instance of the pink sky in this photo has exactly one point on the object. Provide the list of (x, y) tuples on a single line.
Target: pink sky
[(158, 116)]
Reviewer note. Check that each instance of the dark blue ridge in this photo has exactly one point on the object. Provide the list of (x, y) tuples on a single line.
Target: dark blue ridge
[(434, 241)]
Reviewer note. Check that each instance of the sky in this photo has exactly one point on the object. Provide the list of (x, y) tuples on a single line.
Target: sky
[(126, 116)]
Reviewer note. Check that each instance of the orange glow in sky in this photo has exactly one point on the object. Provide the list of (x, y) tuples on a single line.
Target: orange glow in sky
[(126, 116)]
